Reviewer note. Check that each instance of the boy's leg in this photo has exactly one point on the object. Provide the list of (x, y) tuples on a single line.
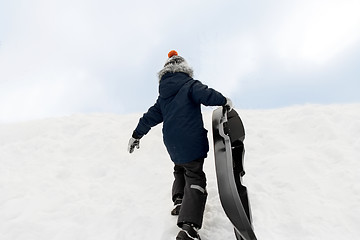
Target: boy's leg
[(193, 205), (179, 182), (178, 189)]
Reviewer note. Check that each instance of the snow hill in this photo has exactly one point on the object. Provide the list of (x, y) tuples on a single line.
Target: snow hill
[(71, 178)]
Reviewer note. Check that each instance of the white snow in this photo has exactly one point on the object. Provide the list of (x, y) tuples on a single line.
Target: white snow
[(71, 178)]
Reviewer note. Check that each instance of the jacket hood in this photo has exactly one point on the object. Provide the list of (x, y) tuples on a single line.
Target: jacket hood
[(176, 64), (171, 83)]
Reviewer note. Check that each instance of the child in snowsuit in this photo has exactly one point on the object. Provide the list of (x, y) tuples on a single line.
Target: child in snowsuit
[(178, 107)]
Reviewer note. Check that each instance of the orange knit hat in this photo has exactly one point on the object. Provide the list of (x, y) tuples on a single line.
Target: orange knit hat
[(172, 53)]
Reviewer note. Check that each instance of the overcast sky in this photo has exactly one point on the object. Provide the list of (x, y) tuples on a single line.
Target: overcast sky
[(61, 57)]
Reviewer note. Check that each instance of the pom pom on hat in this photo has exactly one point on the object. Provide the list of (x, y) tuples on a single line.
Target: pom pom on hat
[(172, 53)]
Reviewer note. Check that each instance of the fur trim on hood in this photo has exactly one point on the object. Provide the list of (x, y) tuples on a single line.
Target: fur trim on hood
[(176, 64)]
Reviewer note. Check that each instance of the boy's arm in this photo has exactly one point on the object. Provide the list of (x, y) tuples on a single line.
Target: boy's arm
[(150, 119), (201, 93)]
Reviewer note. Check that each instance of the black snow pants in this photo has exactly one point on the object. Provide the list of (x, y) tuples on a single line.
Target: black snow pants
[(190, 183)]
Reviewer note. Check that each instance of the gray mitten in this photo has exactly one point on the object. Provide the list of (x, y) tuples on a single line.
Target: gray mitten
[(133, 142)]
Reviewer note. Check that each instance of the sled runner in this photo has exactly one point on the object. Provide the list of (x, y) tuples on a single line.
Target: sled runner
[(229, 134)]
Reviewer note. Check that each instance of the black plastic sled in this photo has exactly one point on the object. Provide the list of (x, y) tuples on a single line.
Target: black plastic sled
[(229, 134)]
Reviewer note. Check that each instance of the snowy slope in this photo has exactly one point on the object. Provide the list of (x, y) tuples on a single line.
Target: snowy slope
[(71, 178)]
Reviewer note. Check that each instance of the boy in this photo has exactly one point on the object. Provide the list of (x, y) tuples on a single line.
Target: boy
[(179, 108)]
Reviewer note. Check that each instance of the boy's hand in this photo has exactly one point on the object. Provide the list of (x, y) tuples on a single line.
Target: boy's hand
[(133, 142), (229, 104)]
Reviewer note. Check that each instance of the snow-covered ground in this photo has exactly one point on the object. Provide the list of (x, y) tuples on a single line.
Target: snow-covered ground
[(71, 178)]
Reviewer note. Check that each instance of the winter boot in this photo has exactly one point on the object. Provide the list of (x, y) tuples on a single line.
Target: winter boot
[(177, 204), (188, 232)]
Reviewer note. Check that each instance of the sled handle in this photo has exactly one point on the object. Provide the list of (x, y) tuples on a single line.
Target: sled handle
[(225, 111)]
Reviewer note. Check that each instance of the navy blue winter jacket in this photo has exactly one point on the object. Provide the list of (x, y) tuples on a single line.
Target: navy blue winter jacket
[(178, 107)]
